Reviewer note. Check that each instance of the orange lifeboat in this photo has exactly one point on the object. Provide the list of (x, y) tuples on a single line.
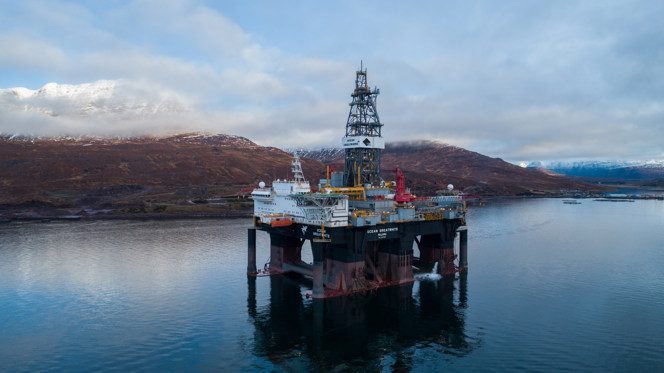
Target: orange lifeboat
[(281, 222)]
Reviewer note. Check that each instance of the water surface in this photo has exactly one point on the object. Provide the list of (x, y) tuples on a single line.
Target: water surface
[(550, 286)]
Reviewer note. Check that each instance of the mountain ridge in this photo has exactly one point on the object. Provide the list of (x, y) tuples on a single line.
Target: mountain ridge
[(430, 165), (605, 170), (182, 174)]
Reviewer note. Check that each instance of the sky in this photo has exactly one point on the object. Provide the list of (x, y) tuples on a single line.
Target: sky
[(519, 80)]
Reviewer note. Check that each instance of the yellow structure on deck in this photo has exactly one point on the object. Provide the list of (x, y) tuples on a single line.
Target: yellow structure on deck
[(356, 192)]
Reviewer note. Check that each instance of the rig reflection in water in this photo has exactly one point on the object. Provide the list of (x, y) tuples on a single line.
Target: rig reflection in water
[(362, 329)]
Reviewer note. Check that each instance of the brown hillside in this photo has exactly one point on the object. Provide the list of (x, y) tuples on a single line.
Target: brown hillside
[(93, 172), (430, 166), (146, 174)]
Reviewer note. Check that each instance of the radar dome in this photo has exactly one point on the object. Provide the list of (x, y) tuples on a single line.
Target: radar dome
[(261, 184), (450, 187)]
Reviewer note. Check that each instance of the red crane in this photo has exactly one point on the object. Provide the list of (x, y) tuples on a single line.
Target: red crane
[(401, 195)]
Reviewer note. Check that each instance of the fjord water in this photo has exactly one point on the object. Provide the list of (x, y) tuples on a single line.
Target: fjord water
[(550, 286)]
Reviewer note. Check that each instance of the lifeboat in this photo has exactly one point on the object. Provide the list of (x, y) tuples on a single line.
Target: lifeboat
[(282, 221)]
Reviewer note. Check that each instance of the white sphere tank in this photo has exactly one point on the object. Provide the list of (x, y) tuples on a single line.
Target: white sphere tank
[(261, 184), (450, 187)]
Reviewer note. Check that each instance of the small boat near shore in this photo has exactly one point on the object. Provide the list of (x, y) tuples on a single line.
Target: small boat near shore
[(613, 200), (571, 202)]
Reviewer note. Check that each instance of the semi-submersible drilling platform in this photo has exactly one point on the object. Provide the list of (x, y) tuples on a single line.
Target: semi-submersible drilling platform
[(362, 229)]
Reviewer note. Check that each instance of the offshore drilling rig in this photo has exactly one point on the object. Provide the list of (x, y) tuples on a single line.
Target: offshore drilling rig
[(363, 230)]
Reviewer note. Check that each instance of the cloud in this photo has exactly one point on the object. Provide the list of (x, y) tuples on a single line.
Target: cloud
[(104, 107), (25, 53), (515, 80)]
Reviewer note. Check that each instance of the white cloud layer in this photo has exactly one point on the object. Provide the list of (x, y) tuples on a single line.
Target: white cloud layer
[(558, 80)]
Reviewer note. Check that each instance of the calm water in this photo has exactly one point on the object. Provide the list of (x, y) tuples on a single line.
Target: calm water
[(550, 286)]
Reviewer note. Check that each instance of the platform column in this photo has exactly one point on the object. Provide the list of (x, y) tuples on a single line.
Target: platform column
[(463, 249), (251, 251), (446, 263), (431, 252), (318, 325), (318, 269), (251, 296), (463, 289), (283, 249), (318, 288)]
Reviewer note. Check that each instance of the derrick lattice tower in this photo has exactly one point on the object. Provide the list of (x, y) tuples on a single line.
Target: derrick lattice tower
[(363, 141), (296, 168)]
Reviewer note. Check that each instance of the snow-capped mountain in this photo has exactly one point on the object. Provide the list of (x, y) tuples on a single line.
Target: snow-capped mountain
[(319, 154), (218, 140), (331, 154), (95, 90), (606, 169), (103, 97)]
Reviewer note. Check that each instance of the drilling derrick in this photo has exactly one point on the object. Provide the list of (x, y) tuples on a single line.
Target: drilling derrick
[(363, 141)]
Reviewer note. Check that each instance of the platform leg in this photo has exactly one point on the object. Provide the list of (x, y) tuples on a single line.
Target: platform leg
[(319, 332), (463, 250), (318, 288), (251, 251), (446, 265), (251, 296), (463, 289)]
